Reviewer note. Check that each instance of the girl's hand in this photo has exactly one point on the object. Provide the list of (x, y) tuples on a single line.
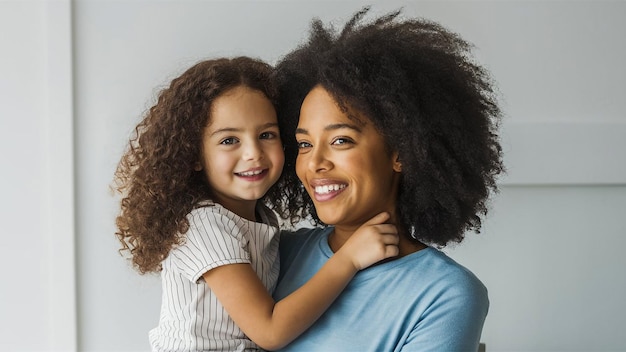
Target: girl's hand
[(372, 242)]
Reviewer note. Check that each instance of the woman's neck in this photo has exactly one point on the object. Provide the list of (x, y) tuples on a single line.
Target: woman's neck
[(340, 235)]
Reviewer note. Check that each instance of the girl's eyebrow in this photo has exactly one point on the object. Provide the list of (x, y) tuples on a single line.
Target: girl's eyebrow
[(225, 129), (233, 129), (332, 127), (268, 125)]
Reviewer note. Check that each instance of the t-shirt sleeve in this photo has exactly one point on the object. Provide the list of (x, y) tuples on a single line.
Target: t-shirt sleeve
[(454, 321), (213, 240)]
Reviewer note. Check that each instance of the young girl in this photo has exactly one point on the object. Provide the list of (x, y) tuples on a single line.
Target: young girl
[(198, 180)]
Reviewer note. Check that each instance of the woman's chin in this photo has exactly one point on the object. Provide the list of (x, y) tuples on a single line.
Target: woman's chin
[(329, 219)]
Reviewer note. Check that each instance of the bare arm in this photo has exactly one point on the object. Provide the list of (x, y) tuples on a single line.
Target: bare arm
[(271, 324)]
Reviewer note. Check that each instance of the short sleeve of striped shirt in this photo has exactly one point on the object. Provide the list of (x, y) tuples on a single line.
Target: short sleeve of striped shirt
[(214, 239)]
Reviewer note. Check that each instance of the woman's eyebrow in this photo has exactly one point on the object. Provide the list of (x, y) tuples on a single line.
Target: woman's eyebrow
[(333, 127), (338, 126)]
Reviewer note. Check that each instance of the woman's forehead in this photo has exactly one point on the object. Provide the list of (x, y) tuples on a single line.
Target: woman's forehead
[(320, 104)]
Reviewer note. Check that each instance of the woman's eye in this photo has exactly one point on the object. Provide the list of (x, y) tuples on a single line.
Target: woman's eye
[(342, 141), (268, 135), (303, 145), (229, 140)]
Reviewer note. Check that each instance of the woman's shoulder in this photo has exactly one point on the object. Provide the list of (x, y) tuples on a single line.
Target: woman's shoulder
[(447, 272)]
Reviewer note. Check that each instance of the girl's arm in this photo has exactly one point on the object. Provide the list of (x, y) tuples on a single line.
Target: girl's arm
[(271, 324)]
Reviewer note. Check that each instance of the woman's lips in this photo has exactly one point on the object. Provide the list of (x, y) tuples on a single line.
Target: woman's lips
[(327, 191)]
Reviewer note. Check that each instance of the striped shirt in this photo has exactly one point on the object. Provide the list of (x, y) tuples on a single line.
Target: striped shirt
[(192, 319)]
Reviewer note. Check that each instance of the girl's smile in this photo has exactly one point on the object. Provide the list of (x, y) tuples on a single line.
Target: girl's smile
[(253, 174), (242, 154)]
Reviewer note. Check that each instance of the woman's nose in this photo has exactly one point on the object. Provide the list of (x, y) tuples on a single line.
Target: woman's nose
[(319, 161)]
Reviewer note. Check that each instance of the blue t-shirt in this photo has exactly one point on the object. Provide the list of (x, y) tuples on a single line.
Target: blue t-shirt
[(424, 301)]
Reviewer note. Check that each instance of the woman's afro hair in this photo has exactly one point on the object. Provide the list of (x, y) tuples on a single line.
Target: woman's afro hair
[(417, 83)]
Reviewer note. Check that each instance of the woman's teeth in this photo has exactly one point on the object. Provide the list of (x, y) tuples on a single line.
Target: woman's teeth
[(328, 188)]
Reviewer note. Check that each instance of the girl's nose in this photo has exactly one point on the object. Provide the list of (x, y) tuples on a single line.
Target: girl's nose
[(252, 151)]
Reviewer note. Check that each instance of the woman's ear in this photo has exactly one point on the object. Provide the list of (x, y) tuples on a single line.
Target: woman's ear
[(397, 165), (197, 166)]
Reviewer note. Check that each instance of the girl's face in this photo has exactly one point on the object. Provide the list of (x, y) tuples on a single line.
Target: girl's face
[(242, 154), (344, 166)]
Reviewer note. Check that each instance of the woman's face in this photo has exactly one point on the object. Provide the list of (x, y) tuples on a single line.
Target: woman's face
[(344, 165)]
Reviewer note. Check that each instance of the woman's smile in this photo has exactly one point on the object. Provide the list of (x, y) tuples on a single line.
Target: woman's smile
[(325, 190), (344, 164)]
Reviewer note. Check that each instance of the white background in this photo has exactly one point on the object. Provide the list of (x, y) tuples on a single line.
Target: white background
[(75, 77)]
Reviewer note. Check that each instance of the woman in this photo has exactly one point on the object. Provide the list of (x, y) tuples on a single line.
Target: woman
[(389, 116)]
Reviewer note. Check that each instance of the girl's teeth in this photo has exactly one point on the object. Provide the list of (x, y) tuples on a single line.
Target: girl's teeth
[(251, 173), (328, 188)]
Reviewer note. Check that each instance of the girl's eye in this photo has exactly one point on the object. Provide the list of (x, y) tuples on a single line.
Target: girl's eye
[(342, 141), (268, 135), (229, 140)]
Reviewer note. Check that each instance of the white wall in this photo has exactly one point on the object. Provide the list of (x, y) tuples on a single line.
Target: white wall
[(37, 295), (550, 251), (552, 259)]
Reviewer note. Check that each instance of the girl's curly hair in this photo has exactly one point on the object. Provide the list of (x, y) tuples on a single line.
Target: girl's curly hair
[(416, 82), (156, 175)]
